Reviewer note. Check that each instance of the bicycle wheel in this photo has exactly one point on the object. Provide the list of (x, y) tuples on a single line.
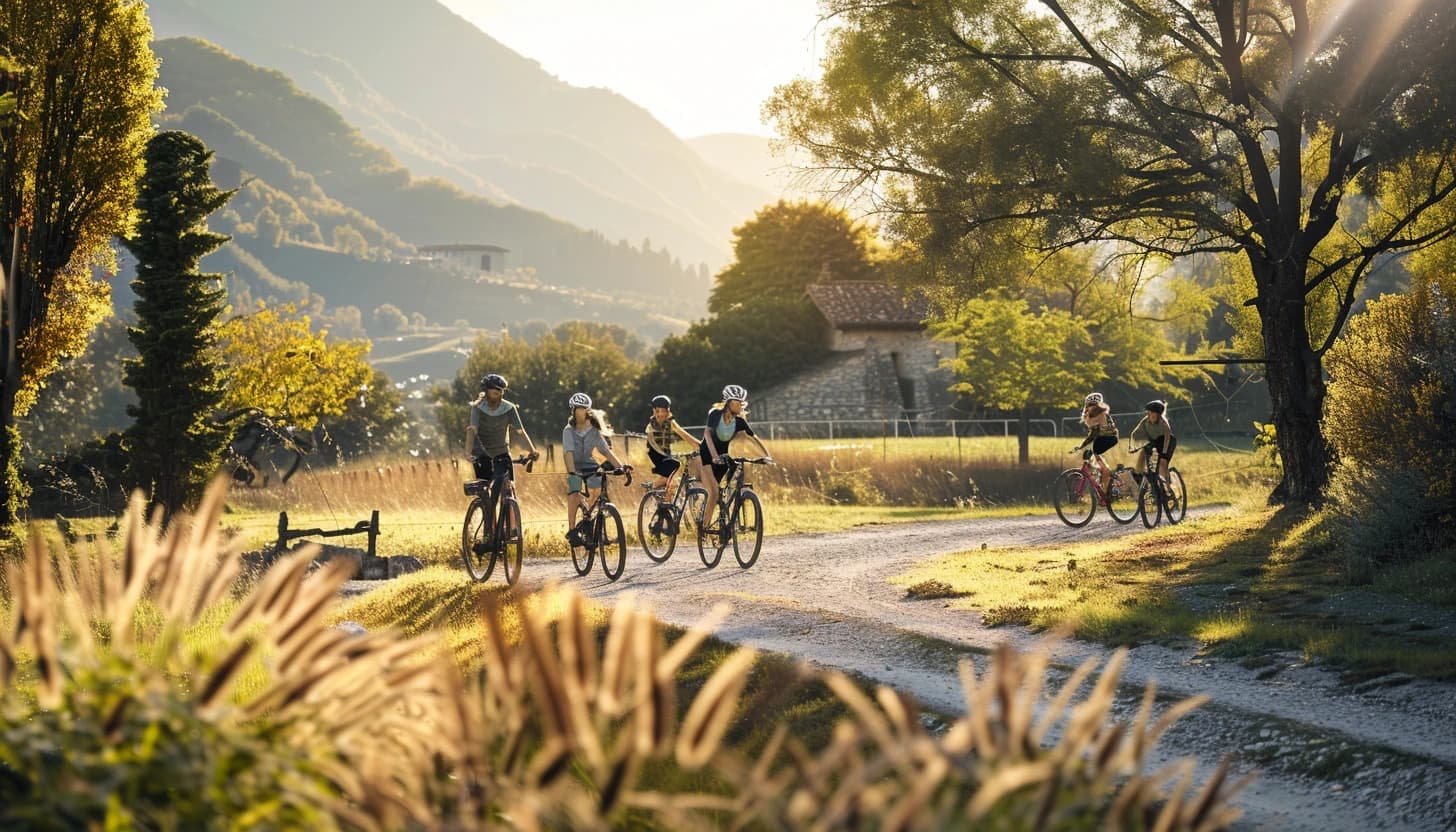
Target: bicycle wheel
[(1175, 497), (475, 550), (581, 556), (708, 548), (748, 529), (1150, 501), (693, 510), (612, 541), (1074, 497), (659, 545), (1122, 501), (510, 541)]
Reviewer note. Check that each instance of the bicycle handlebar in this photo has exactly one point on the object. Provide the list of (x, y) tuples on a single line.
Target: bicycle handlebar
[(762, 460), (624, 471)]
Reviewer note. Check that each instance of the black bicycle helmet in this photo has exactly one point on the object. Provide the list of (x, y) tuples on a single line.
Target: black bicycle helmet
[(1157, 406), (493, 381), (662, 401)]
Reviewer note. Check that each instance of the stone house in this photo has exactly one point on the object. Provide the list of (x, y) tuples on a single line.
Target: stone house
[(468, 257), (883, 363)]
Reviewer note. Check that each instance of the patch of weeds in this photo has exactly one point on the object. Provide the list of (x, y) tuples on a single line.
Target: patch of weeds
[(933, 589), (1257, 661), (1009, 614)]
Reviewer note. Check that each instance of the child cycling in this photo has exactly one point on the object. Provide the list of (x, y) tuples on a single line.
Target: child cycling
[(488, 439), (661, 430), (1154, 431), (1101, 434), (586, 431)]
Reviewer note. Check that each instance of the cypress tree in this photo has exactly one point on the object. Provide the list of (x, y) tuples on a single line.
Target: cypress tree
[(178, 377)]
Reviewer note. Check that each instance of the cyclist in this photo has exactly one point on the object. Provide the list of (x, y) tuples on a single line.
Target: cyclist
[(488, 438), (1154, 431), (586, 431), (726, 420), (661, 430), (1101, 434)]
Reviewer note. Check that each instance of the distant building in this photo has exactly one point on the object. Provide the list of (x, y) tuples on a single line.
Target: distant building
[(467, 256), (884, 365)]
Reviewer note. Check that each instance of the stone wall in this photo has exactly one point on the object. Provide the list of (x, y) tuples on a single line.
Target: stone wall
[(870, 381)]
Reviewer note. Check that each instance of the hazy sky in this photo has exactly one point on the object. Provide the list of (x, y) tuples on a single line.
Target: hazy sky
[(699, 66)]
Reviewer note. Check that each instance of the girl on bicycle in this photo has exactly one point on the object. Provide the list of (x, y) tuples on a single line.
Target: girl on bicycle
[(661, 430), (1101, 434), (488, 438), (586, 431), (726, 420), (1154, 432)]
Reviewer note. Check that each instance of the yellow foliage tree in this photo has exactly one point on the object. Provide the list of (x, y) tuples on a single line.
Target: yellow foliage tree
[(279, 364)]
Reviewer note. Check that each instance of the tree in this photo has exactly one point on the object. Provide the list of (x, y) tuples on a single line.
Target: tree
[(374, 420), (1011, 358), (761, 326), (1175, 128), (69, 162), (174, 445), (277, 363), (390, 319)]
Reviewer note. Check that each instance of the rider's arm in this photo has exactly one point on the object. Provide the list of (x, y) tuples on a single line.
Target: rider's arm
[(520, 426), (568, 457), (1139, 432), (682, 434), (606, 449)]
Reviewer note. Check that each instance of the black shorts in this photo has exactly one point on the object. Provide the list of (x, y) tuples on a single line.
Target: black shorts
[(1101, 445), (719, 470), (663, 466), (496, 467), (1166, 445)]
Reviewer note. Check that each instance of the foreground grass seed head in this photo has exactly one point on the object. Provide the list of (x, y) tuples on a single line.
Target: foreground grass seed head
[(181, 704)]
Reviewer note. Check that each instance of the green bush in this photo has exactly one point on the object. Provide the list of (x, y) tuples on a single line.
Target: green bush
[(854, 487), (1381, 515)]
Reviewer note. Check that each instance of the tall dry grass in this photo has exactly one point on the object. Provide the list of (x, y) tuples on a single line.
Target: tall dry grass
[(142, 686)]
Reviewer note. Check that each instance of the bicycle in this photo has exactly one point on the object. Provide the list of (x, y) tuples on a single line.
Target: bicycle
[(601, 527), (742, 512), (1076, 506), (1158, 498), (476, 542), (659, 521)]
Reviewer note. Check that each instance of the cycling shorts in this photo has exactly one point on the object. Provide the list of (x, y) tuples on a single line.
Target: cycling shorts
[(663, 466)]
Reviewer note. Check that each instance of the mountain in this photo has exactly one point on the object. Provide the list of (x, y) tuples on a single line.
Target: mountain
[(452, 102)]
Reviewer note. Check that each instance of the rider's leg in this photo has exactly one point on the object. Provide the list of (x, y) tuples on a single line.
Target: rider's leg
[(573, 506)]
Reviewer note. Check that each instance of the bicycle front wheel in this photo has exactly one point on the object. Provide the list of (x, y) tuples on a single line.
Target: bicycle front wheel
[(612, 542), (748, 529), (475, 550), (1175, 497), (658, 545), (511, 540), (1122, 501), (1075, 498)]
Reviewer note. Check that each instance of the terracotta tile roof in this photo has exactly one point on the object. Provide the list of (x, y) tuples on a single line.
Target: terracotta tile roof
[(866, 304)]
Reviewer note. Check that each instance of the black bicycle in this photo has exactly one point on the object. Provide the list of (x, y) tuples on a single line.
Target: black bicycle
[(1159, 498), (660, 520), (601, 528), (740, 520), (483, 543)]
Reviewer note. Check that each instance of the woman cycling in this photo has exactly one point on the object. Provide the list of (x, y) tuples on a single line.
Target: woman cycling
[(661, 430), (1101, 434), (586, 431), (488, 439), (726, 420), (1154, 432)]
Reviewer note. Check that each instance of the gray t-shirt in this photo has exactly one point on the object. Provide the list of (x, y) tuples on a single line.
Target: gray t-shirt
[(580, 444), (492, 427)]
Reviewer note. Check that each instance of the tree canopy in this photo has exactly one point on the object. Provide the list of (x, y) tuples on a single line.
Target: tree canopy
[(1308, 138)]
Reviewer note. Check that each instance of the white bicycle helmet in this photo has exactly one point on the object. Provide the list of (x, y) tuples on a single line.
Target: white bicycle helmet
[(580, 400), (1092, 398), (733, 391)]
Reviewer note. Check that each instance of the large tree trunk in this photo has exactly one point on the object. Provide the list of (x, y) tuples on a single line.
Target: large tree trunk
[(1296, 384)]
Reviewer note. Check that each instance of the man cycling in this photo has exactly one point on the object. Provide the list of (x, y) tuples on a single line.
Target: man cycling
[(487, 440)]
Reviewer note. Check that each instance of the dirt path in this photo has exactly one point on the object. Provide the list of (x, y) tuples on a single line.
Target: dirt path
[(1330, 756)]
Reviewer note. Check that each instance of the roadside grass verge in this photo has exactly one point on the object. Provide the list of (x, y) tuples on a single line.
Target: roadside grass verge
[(1246, 584)]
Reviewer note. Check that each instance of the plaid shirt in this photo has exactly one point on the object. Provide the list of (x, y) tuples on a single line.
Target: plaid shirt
[(662, 435)]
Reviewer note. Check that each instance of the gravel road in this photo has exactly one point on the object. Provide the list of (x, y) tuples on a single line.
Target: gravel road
[(1330, 756)]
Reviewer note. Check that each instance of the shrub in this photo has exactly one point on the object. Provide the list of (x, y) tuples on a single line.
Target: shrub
[(1379, 515), (854, 487)]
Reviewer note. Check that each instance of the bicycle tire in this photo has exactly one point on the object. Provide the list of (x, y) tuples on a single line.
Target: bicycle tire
[(1121, 505), (611, 541), (707, 542), (1177, 501), (479, 558), (512, 542), (581, 556), (1150, 502), (1074, 497), (748, 528), (693, 509), (657, 546)]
